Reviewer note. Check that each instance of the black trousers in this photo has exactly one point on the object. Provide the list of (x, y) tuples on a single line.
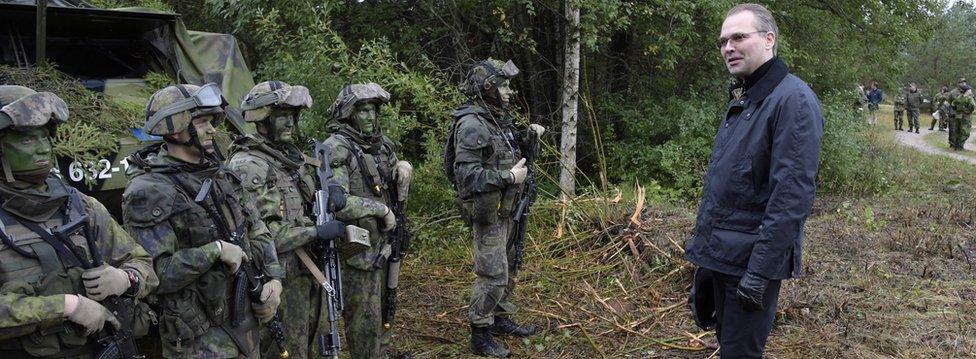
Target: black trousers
[(741, 333)]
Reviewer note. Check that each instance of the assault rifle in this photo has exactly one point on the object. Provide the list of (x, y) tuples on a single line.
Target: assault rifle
[(329, 254), (115, 343), (525, 199), (399, 242), (248, 280)]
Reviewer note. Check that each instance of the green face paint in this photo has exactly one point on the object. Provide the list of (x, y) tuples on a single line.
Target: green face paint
[(365, 118), (28, 150), (282, 121)]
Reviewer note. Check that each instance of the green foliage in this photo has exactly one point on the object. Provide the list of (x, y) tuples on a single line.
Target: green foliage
[(668, 141), (94, 120), (854, 159)]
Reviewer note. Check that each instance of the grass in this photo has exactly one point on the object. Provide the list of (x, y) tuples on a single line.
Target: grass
[(885, 276)]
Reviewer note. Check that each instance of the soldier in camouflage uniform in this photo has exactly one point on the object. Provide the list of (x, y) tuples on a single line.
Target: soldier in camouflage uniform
[(964, 106), (365, 164), (194, 259), (953, 119), (279, 176), (899, 110), (488, 172), (48, 299), (913, 105), (940, 103)]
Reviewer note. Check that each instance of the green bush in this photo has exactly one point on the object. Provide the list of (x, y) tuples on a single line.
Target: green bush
[(854, 158)]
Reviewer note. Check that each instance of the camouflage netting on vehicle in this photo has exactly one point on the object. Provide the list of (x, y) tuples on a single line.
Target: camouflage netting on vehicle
[(94, 122)]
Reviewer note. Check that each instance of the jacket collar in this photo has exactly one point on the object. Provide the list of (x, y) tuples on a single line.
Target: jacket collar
[(761, 82)]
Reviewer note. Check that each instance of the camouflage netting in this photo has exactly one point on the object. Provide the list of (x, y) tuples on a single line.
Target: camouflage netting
[(94, 123)]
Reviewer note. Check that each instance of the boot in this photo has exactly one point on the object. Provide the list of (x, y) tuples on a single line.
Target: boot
[(916, 129), (506, 326), (483, 344), (406, 355)]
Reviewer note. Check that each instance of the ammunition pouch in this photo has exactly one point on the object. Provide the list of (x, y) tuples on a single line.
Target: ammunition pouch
[(181, 318)]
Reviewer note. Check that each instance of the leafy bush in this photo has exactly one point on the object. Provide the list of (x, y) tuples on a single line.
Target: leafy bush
[(854, 159)]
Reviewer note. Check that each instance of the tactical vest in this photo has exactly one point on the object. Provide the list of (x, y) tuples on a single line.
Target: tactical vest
[(193, 310), (370, 176), (295, 187), (32, 267), (501, 153)]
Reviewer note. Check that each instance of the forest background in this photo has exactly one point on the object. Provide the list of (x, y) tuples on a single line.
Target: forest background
[(652, 84), (652, 91)]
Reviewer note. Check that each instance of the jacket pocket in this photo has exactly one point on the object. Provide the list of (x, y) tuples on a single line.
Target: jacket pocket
[(731, 246)]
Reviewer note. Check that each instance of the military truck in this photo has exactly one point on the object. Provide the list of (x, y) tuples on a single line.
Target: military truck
[(112, 51)]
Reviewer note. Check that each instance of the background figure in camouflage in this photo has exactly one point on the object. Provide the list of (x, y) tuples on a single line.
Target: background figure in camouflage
[(964, 106), (195, 262), (364, 163), (488, 172), (913, 105), (50, 304), (953, 119), (278, 176), (940, 103), (899, 110)]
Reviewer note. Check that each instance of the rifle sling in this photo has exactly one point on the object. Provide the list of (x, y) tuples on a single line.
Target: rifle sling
[(68, 255)]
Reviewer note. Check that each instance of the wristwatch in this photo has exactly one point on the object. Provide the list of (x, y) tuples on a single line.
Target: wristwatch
[(133, 283)]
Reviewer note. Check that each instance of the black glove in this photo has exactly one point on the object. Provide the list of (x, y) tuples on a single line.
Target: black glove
[(331, 230), (337, 198), (750, 291)]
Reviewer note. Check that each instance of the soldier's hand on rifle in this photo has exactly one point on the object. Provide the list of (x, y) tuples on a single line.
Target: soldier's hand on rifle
[(88, 313), (518, 172), (330, 230), (404, 175), (389, 221), (270, 299), (537, 129), (337, 198), (105, 281), (232, 255)]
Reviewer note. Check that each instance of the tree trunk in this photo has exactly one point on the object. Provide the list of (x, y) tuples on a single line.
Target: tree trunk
[(570, 98)]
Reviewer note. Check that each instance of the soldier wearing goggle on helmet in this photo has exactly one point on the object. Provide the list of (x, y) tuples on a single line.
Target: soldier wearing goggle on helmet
[(187, 116)]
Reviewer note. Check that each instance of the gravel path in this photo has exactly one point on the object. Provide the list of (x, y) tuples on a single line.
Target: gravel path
[(917, 141)]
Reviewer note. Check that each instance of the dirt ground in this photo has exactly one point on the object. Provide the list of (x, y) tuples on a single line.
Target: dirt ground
[(890, 276)]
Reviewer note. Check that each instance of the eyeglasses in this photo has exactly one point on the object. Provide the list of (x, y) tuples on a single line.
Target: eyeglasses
[(735, 38)]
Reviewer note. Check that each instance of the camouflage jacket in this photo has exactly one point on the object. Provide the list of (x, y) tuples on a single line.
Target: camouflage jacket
[(32, 286), (900, 102), (280, 187), (159, 211), (486, 147), (940, 101), (365, 173), (913, 100), (964, 105)]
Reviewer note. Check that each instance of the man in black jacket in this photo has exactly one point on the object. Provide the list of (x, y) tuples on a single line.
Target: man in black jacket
[(760, 184)]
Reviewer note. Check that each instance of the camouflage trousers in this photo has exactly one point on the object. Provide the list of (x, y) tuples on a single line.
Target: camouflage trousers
[(216, 343), (959, 127), (301, 297), (493, 266), (913, 118), (363, 292), (899, 117)]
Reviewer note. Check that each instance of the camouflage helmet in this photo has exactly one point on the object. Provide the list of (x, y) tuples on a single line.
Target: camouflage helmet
[(350, 95), (171, 109), (263, 96), (21, 107), (486, 75)]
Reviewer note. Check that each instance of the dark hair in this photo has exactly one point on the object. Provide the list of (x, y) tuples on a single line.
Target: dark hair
[(764, 19)]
